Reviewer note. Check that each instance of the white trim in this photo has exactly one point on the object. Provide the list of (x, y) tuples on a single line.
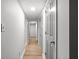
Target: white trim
[(43, 54), (44, 38), (22, 54), (23, 51)]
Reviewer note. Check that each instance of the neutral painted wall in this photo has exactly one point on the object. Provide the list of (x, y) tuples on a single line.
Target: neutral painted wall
[(63, 29), (25, 32), (12, 40), (40, 33)]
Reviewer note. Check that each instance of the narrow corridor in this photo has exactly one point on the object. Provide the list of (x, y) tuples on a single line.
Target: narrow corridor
[(32, 50), (34, 29)]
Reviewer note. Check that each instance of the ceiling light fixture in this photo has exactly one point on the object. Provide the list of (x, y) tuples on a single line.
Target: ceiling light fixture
[(33, 9)]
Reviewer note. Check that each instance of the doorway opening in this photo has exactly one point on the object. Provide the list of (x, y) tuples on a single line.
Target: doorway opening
[(41, 25)]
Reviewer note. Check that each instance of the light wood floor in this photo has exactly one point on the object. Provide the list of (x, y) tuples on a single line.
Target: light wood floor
[(32, 50)]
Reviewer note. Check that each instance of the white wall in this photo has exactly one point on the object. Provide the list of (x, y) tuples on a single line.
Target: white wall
[(40, 33), (63, 29), (12, 40), (26, 32)]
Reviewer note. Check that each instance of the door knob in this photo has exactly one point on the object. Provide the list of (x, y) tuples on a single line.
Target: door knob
[(45, 53), (52, 42)]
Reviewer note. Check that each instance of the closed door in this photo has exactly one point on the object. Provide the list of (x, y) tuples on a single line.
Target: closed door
[(50, 29), (33, 30)]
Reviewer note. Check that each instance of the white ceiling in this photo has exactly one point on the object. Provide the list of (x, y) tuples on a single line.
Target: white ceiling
[(26, 6)]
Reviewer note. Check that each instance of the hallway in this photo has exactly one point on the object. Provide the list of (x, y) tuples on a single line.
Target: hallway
[(34, 29), (32, 50)]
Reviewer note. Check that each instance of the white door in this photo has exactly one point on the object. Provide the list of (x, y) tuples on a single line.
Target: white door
[(33, 30)]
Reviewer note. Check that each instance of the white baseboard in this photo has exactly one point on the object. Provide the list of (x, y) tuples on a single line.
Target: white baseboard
[(23, 51), (22, 54), (43, 54)]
